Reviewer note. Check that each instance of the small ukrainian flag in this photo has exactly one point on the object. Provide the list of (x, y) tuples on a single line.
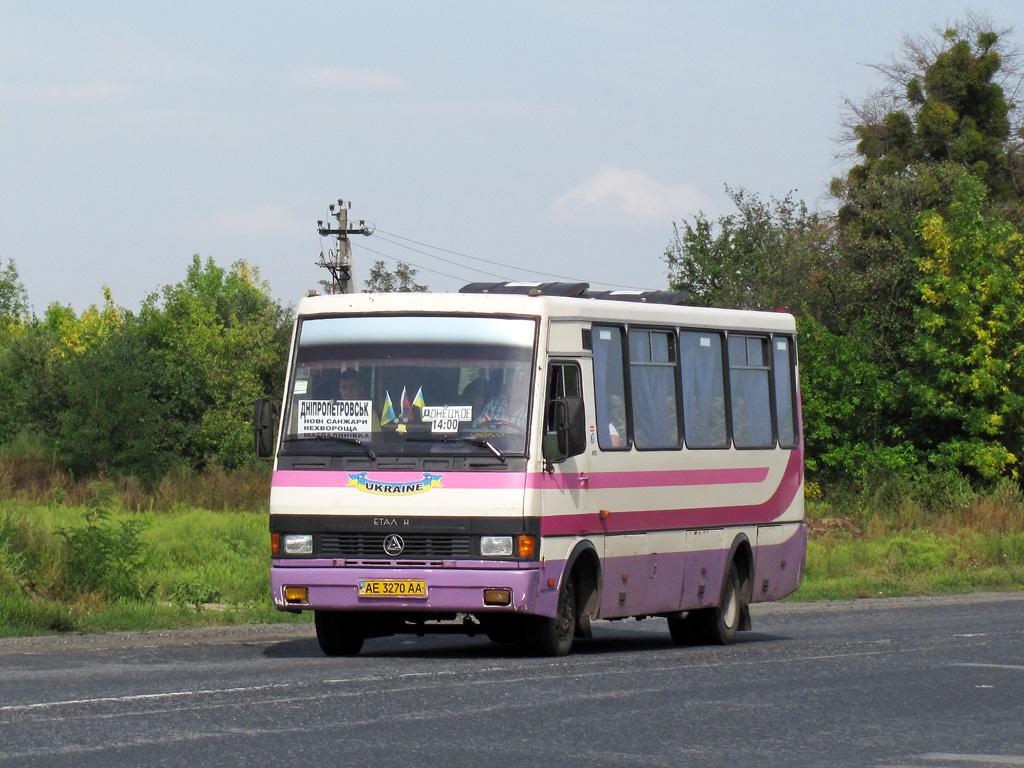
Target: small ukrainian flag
[(387, 414)]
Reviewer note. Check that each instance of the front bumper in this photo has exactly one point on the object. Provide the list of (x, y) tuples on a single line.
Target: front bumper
[(449, 590)]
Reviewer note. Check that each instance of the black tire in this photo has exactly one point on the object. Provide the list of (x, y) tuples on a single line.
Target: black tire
[(682, 630), (339, 634), (503, 629), (553, 636), (712, 626)]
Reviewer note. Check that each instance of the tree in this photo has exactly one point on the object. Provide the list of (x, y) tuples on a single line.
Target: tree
[(968, 358), (851, 423), (223, 341), (945, 99), (910, 298), (766, 256), (401, 280), (35, 374), (113, 418), (123, 393), (13, 298), (927, 233), (942, 116), (13, 317)]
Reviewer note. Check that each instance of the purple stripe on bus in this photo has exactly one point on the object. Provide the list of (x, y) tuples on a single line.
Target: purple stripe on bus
[(290, 478), (670, 519), (651, 479), (534, 480)]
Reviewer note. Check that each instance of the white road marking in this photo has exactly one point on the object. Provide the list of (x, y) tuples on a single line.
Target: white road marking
[(989, 666), (954, 757), (140, 697)]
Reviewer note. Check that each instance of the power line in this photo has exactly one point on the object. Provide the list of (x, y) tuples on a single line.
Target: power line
[(411, 264), (487, 261), (474, 258), (441, 258)]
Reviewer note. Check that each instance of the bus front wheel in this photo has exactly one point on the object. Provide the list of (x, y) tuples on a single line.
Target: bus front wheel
[(339, 634), (553, 636)]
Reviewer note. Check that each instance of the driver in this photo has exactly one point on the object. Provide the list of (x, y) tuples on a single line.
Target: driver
[(351, 386), (508, 407)]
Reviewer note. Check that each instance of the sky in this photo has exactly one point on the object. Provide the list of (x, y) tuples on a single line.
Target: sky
[(494, 140)]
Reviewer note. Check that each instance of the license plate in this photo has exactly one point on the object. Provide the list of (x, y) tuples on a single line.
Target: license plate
[(392, 588)]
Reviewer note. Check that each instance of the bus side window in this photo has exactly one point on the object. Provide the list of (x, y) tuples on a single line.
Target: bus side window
[(564, 381), (785, 391), (565, 421), (610, 388), (749, 392), (703, 379), (652, 380)]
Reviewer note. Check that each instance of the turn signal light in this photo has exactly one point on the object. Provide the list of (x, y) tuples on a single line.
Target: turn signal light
[(275, 543), (497, 597), (526, 546), (296, 594)]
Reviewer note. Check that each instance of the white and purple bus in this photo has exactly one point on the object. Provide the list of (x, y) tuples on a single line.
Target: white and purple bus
[(519, 460)]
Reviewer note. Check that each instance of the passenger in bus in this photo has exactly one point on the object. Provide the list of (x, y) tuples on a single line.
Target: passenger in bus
[(614, 439), (617, 425)]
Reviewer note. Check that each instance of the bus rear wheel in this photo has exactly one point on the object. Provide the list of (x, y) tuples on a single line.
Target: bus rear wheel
[(553, 636), (712, 626), (339, 634)]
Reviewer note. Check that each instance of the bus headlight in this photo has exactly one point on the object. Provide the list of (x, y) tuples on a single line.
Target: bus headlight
[(496, 546), (298, 544)]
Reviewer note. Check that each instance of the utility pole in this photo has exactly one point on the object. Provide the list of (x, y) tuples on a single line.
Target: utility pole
[(340, 266)]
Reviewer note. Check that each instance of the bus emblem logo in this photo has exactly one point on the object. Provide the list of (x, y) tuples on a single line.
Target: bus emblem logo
[(394, 544)]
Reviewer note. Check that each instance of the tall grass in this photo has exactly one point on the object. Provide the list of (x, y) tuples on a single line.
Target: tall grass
[(907, 536), (93, 554), (29, 472), (102, 567)]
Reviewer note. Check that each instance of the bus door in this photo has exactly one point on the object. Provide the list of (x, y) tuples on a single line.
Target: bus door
[(571, 509), (570, 467)]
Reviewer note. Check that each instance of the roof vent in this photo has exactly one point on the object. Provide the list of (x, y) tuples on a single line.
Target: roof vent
[(643, 297), (577, 290), (528, 289)]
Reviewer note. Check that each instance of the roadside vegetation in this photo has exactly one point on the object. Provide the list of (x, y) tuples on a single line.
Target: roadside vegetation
[(914, 539), (103, 557), (129, 496)]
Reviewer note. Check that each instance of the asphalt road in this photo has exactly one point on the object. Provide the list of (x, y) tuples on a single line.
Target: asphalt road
[(935, 682)]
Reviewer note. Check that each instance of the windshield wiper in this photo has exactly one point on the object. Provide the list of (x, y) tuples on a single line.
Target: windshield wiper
[(460, 439), (335, 439)]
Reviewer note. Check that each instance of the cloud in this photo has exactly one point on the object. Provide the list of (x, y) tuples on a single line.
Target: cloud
[(93, 92), (342, 80), (633, 196)]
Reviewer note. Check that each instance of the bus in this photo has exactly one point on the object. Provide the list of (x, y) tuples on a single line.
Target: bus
[(519, 460)]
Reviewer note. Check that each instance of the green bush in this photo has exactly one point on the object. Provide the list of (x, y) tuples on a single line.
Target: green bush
[(194, 591), (105, 556)]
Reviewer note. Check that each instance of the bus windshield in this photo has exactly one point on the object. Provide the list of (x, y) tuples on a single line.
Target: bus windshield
[(411, 385)]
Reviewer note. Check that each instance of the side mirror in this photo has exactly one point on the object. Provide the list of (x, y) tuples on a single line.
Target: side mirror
[(567, 429), (263, 428)]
